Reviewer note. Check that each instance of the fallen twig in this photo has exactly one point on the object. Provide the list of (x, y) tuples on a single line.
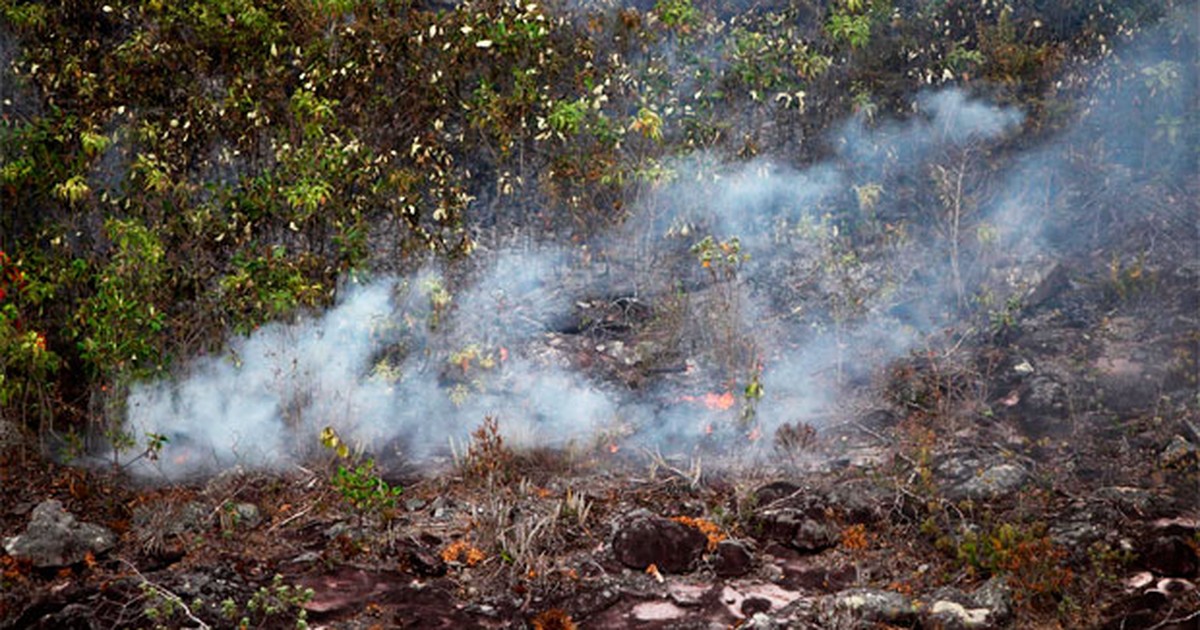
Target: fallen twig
[(164, 593), (290, 519), (1176, 620)]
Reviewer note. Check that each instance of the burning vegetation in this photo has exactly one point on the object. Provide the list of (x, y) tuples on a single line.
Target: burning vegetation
[(594, 314)]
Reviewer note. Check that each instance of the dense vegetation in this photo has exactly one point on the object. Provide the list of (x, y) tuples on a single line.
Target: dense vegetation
[(172, 171)]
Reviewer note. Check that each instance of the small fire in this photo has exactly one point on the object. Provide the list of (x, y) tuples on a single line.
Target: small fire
[(613, 447), (719, 402), (713, 400)]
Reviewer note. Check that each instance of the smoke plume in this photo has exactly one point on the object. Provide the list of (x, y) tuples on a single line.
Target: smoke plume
[(401, 360)]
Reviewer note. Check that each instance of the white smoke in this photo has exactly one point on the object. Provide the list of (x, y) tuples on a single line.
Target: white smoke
[(377, 366)]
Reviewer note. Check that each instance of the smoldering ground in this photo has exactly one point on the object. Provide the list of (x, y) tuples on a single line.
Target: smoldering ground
[(406, 361)]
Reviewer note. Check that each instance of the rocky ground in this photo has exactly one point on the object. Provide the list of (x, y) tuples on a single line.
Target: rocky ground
[(1043, 475)]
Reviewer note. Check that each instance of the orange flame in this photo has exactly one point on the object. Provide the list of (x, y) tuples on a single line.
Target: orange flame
[(719, 402)]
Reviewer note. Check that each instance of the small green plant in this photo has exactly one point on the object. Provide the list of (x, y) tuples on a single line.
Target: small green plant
[(1030, 561), (165, 609), (271, 605), (359, 484), (1004, 319), (278, 601), (567, 117), (848, 28), (648, 123), (962, 60), (721, 259), (680, 15)]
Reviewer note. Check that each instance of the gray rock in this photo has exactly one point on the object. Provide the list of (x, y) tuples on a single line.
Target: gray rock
[(990, 606), (247, 515), (870, 604), (950, 615), (1045, 397), (993, 483), (772, 492), (814, 536), (55, 539), (760, 621), (308, 557), (1129, 499), (1085, 524), (995, 595), (861, 500)]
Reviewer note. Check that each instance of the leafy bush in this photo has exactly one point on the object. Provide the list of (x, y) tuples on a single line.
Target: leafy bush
[(121, 324), (26, 365)]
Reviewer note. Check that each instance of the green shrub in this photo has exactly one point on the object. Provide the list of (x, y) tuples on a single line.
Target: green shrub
[(26, 365), (121, 324)]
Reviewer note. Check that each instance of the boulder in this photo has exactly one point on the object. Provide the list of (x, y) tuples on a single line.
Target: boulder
[(644, 539), (733, 559), (54, 538), (795, 529), (1170, 556), (992, 483)]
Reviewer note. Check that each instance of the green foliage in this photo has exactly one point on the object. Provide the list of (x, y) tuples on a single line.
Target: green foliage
[(1011, 60), (962, 60), (272, 605), (1031, 562), (567, 117), (266, 287), (121, 324), (848, 28), (773, 60), (722, 259), (24, 15), (1004, 319), (359, 485), (26, 365), (276, 602), (246, 154), (679, 15), (242, 26)]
